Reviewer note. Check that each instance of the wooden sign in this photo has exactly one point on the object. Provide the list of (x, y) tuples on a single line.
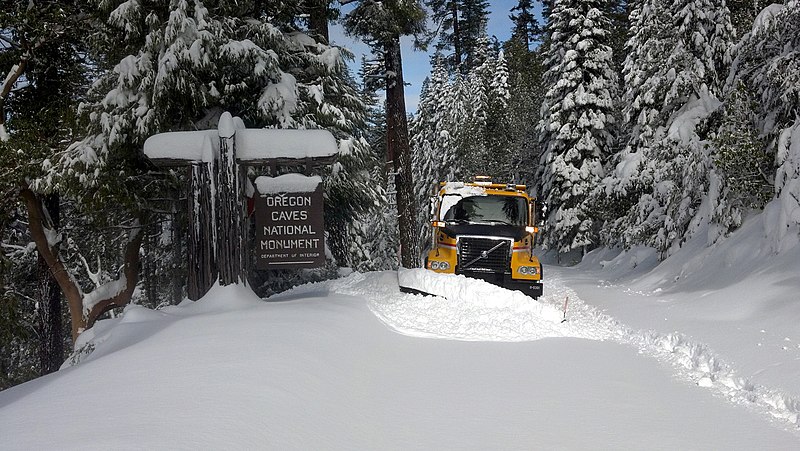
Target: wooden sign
[(290, 227), (218, 247)]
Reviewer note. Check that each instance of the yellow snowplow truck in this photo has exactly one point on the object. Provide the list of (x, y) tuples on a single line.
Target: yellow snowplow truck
[(486, 231)]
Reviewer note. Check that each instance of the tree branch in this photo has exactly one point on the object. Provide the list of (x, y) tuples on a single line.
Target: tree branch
[(131, 274)]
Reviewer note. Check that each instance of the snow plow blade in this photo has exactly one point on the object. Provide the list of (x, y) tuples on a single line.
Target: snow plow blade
[(428, 283)]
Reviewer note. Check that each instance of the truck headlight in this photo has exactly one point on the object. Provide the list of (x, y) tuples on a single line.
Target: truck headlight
[(528, 270), (434, 265), (444, 266)]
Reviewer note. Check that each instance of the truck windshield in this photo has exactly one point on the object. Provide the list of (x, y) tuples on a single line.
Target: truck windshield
[(510, 210)]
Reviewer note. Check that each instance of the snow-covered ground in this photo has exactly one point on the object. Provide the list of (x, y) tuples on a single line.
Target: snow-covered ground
[(700, 352)]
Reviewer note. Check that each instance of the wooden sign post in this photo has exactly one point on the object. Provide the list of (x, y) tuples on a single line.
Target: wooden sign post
[(218, 247)]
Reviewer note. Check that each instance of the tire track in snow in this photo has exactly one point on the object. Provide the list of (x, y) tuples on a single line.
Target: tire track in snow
[(477, 311)]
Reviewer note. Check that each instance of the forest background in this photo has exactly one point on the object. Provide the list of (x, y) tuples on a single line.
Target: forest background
[(646, 122)]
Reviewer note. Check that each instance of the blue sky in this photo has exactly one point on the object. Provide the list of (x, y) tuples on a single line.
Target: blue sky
[(416, 64)]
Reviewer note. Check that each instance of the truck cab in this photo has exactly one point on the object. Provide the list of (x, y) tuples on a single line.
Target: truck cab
[(487, 231)]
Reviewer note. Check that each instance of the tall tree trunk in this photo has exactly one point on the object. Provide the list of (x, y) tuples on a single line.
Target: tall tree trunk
[(456, 35), (51, 329), (398, 151), (318, 19)]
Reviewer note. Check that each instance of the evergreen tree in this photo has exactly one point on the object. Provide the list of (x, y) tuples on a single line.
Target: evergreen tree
[(742, 178), (525, 69), (767, 67), (499, 135), (41, 56), (374, 246), (432, 150), (474, 19), (444, 13), (763, 94), (577, 119), (526, 29), (743, 13), (460, 27), (678, 57), (381, 24), (645, 87)]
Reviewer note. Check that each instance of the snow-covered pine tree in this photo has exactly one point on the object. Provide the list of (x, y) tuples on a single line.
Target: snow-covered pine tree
[(766, 64), (499, 134), (431, 149), (374, 229), (702, 38), (744, 12), (678, 56), (645, 85), (576, 129), (741, 179), (767, 68), (470, 140)]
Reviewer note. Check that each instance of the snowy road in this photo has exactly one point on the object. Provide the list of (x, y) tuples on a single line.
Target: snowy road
[(478, 311), (321, 370)]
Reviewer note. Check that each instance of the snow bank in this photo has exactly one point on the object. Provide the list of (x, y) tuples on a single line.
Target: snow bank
[(465, 309), (218, 299)]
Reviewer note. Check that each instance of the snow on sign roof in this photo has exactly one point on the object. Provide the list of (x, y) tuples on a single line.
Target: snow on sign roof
[(265, 144), (287, 183), (252, 145), (183, 146)]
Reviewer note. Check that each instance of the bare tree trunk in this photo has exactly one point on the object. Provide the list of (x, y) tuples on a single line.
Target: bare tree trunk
[(50, 327), (398, 151)]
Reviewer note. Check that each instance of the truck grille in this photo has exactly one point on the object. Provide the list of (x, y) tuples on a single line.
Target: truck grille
[(469, 249)]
